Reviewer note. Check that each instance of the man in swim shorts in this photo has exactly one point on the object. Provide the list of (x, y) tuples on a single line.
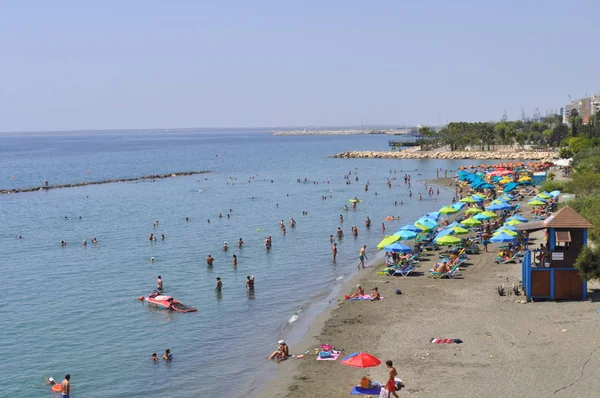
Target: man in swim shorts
[(334, 250), (66, 386), (390, 386), (209, 260), (159, 284), (362, 257)]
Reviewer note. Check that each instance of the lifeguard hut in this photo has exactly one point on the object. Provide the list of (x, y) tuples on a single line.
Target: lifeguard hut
[(552, 275)]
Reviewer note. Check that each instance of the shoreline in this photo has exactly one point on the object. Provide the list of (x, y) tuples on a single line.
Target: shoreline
[(83, 184), (449, 155), (501, 336)]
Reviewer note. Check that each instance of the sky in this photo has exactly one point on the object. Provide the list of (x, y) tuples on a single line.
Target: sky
[(135, 64)]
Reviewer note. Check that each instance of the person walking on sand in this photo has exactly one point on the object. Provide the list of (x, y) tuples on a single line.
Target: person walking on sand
[(334, 250), (66, 387), (390, 386), (362, 256)]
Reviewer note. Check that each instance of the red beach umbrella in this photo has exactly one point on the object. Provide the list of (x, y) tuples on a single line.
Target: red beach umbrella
[(361, 360)]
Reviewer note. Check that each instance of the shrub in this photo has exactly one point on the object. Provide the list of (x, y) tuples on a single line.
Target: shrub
[(550, 186), (588, 263)]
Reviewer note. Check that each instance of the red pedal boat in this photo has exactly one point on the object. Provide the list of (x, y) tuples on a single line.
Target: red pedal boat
[(168, 302)]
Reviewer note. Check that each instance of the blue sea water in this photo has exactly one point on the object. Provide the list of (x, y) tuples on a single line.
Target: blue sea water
[(74, 309)]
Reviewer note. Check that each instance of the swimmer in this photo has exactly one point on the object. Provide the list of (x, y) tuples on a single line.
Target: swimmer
[(84, 243), (240, 243), (159, 284), (225, 246), (341, 218), (154, 357), (66, 386), (209, 260), (220, 215), (167, 355), (187, 219), (151, 259), (331, 239), (383, 227), (151, 237), (250, 282), (283, 230), (292, 223), (208, 220), (219, 284), (368, 222), (345, 207), (281, 224), (162, 237), (234, 261), (94, 240), (228, 215), (340, 233)]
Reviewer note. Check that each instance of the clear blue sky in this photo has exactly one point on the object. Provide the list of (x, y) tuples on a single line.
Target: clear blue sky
[(156, 64)]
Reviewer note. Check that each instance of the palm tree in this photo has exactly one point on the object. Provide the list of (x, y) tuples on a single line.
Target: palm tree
[(575, 121)]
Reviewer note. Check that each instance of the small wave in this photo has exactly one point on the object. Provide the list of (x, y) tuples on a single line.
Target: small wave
[(293, 318), (339, 277)]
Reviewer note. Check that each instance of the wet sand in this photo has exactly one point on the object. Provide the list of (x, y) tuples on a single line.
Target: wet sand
[(510, 348)]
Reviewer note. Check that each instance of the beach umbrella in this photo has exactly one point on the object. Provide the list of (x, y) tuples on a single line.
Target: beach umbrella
[(361, 360), (517, 217), (479, 195), (510, 186), (448, 210), (469, 222), (499, 206), (481, 217), (443, 233), (544, 195), (554, 194), (536, 202), (447, 240), (524, 178), (405, 235), (514, 222), (453, 224), (388, 240), (397, 248), (489, 214), (410, 227), (434, 215), (502, 238), (427, 222), (505, 231), (467, 200), (508, 226), (424, 227), (458, 206), (473, 210), (459, 230)]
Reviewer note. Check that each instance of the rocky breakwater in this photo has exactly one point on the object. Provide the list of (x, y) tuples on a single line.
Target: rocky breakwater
[(478, 155), (82, 184)]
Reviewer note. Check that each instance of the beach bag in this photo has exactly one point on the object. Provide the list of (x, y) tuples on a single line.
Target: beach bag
[(365, 382), (325, 354)]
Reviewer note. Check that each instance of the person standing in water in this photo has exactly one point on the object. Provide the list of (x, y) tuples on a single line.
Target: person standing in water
[(219, 284), (159, 284), (240, 243), (234, 261), (362, 256), (368, 222), (209, 260), (66, 387), (334, 250), (250, 282), (383, 227)]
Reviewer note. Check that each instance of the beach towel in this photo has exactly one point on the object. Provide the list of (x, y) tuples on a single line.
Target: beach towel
[(446, 341), (365, 391), (333, 357), (364, 297)]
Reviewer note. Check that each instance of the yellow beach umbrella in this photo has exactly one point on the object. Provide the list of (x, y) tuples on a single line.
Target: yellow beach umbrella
[(490, 214), (448, 210), (536, 202), (388, 240), (468, 199), (544, 196), (524, 178), (469, 222), (447, 240), (514, 222), (423, 227), (459, 230), (473, 210)]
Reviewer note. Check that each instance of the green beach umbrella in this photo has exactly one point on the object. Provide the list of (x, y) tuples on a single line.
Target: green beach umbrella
[(469, 222), (506, 231), (514, 222), (423, 227), (468, 200), (459, 230), (489, 214), (482, 196), (388, 240), (447, 240), (473, 210), (448, 210), (536, 202), (544, 196)]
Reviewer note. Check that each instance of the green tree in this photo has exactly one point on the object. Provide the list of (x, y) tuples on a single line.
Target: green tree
[(521, 137), (500, 132), (575, 121), (588, 263)]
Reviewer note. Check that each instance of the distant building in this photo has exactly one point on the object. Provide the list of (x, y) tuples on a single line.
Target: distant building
[(586, 107)]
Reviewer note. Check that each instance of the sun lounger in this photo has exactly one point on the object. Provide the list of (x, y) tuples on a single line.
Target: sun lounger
[(453, 273), (505, 260), (403, 271)]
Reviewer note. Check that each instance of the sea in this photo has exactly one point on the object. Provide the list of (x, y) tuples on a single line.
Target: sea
[(75, 309)]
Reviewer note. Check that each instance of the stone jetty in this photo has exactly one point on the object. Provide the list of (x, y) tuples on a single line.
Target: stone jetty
[(477, 155), (83, 184)]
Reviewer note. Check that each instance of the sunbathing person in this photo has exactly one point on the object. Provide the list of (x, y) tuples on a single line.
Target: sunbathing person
[(358, 293), (442, 268), (375, 294)]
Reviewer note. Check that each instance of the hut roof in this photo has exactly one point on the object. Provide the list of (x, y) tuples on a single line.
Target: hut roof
[(564, 218)]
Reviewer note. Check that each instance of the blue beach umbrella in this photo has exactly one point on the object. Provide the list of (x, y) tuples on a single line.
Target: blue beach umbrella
[(444, 232), (502, 238), (497, 207), (517, 217), (481, 217), (406, 235), (454, 224), (434, 215), (508, 226), (397, 248), (510, 186), (477, 198), (554, 194), (426, 222), (410, 227), (458, 205)]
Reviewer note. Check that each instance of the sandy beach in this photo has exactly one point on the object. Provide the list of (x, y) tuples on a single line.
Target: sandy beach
[(510, 347)]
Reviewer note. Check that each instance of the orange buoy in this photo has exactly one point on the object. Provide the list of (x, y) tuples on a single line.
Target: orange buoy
[(57, 388)]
